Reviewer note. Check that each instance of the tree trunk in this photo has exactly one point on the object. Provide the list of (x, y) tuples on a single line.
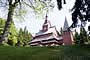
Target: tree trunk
[(11, 9), (7, 24)]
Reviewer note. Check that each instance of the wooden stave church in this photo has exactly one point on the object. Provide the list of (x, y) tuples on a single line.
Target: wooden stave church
[(49, 36)]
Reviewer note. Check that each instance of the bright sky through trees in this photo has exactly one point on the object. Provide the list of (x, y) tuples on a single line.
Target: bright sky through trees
[(55, 16)]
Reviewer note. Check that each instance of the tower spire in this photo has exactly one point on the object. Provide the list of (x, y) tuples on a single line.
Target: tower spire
[(46, 24), (66, 26), (46, 17)]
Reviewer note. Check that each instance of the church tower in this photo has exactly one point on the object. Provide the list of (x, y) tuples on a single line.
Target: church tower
[(46, 24), (67, 34)]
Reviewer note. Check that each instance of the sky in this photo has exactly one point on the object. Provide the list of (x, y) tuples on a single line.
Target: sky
[(56, 17)]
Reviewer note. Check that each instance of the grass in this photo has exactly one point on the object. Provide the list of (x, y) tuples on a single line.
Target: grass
[(45, 53)]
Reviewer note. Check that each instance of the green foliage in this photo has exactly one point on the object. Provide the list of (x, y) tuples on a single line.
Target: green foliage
[(39, 6), (20, 38), (12, 40), (23, 37), (2, 23), (81, 38), (12, 35), (42, 6), (76, 38), (20, 13)]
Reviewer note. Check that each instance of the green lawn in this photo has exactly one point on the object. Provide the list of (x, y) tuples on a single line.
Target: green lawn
[(45, 53)]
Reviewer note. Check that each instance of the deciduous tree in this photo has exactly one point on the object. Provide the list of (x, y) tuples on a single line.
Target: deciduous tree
[(11, 5)]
